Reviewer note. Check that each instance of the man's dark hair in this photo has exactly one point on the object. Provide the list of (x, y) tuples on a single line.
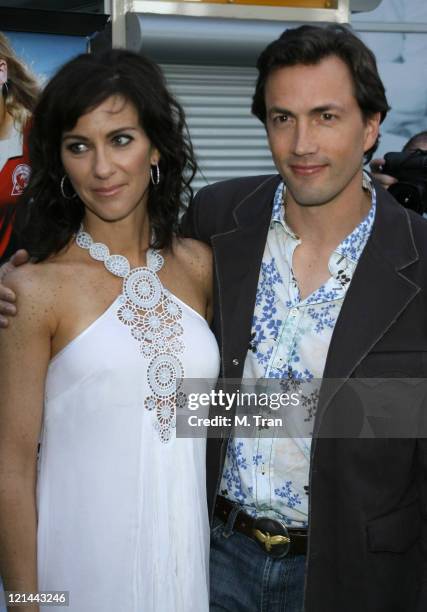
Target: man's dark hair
[(47, 221), (309, 45)]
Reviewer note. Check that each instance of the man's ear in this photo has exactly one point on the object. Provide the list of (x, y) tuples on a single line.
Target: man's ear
[(372, 128), (3, 71)]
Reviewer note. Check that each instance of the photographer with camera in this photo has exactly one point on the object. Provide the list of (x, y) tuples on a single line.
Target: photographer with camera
[(405, 173)]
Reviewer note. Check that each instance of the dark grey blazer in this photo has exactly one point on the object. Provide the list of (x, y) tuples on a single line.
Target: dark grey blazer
[(368, 498)]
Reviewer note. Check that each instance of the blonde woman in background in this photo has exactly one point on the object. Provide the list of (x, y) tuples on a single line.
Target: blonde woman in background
[(17, 98)]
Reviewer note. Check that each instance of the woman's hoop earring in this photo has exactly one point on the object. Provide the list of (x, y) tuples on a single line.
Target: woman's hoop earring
[(64, 195), (5, 89), (155, 179)]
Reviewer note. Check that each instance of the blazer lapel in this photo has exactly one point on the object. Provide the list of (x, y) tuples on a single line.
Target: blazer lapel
[(238, 256), (379, 292)]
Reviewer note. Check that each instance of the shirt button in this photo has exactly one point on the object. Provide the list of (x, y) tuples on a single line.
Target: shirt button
[(235, 362), (293, 312)]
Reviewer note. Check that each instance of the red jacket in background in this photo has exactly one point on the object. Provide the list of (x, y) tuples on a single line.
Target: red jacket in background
[(14, 176)]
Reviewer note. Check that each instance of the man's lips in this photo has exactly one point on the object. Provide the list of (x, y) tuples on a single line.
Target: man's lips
[(108, 191), (307, 170)]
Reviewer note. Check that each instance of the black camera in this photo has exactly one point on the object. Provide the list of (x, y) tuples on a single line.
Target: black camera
[(410, 170)]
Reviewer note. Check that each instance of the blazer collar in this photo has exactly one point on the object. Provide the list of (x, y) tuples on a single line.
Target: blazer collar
[(379, 292), (238, 255), (255, 204)]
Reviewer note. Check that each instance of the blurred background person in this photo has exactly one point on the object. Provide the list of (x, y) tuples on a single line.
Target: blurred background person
[(18, 95), (418, 142), (404, 173)]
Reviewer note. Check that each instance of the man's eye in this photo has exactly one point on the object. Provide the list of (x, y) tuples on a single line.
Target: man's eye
[(327, 116), (280, 118), (77, 147), (122, 139)]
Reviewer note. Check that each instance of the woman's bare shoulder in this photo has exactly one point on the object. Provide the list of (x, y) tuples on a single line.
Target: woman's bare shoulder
[(195, 253), (30, 277), (36, 289), (48, 275)]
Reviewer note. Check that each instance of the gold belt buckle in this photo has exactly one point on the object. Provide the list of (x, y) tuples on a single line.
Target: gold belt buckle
[(276, 545)]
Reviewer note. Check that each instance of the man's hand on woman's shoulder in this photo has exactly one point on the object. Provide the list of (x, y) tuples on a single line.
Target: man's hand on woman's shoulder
[(7, 296)]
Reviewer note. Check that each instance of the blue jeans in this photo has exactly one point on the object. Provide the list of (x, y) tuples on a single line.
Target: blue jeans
[(245, 579)]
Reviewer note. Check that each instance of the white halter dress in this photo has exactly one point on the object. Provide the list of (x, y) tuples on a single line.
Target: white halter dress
[(122, 516)]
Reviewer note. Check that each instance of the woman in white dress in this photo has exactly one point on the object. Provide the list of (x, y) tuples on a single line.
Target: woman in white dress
[(113, 312)]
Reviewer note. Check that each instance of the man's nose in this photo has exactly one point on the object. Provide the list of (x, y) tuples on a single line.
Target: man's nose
[(304, 139)]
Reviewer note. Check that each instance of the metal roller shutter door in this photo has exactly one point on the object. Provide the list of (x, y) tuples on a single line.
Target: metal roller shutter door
[(227, 139)]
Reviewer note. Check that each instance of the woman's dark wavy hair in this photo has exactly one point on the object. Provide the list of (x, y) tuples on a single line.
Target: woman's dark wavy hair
[(47, 221), (309, 45)]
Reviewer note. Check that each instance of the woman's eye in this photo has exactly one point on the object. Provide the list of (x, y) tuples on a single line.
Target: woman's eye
[(77, 147), (122, 139)]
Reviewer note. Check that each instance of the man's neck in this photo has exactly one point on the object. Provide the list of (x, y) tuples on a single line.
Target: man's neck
[(327, 225)]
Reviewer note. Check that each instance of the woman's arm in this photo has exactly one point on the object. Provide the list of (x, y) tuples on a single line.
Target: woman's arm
[(24, 358)]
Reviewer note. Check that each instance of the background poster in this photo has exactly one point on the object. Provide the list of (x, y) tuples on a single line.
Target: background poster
[(45, 53), (402, 64)]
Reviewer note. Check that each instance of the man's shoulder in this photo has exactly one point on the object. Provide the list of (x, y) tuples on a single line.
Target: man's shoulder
[(213, 207), (410, 237), (227, 192), (419, 231), (397, 220)]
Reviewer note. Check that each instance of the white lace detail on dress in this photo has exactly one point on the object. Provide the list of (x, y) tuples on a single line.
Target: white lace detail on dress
[(153, 318)]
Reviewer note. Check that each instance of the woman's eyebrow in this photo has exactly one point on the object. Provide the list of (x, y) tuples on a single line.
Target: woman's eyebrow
[(109, 134)]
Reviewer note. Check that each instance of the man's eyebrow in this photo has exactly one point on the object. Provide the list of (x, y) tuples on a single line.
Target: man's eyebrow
[(327, 107), (331, 106), (109, 134), (281, 111)]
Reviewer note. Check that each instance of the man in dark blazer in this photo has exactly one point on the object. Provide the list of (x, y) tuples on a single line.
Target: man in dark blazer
[(362, 544)]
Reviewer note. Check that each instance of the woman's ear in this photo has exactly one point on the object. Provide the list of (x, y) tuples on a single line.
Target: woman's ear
[(155, 157)]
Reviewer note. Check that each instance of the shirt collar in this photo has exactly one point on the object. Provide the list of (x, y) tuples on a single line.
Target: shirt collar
[(352, 246), (278, 214)]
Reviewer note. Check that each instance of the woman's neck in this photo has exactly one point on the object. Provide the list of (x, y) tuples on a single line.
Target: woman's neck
[(6, 120), (129, 237)]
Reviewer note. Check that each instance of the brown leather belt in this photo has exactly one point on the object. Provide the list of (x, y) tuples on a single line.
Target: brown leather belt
[(274, 537)]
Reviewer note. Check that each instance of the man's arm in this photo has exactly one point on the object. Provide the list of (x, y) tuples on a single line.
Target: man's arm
[(24, 358), (7, 296)]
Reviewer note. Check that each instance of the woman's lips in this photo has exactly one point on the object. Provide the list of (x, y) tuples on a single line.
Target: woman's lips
[(307, 170), (108, 191)]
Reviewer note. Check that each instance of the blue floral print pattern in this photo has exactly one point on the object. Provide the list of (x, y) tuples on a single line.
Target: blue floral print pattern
[(291, 498)]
